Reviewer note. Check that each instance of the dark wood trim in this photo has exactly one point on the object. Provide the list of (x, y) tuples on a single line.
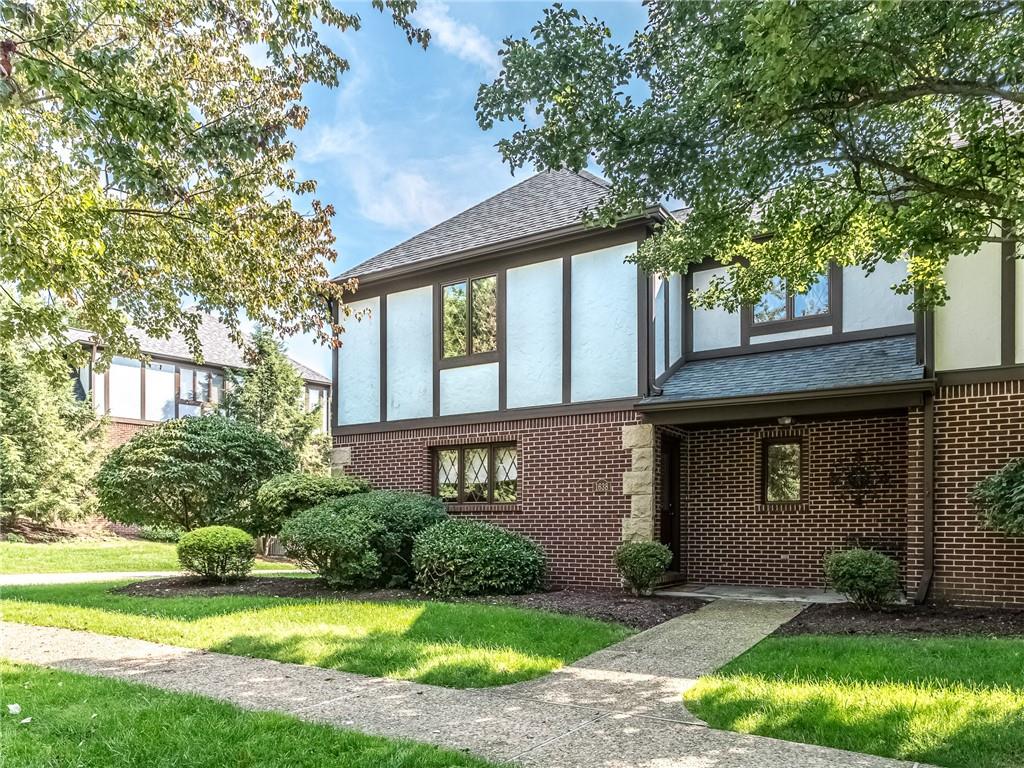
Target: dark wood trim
[(688, 318), (929, 343), (833, 318), (463, 361), (1008, 298), (785, 326), (927, 501), (666, 310), (835, 298), (981, 375), (644, 332), (567, 329), (806, 341), (764, 444), (668, 373), (502, 339), (437, 311), (332, 398), (383, 361), (491, 417)]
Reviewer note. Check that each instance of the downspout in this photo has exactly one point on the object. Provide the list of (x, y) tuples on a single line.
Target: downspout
[(928, 468)]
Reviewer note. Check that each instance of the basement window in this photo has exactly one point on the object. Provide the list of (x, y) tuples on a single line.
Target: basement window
[(781, 471), (477, 474)]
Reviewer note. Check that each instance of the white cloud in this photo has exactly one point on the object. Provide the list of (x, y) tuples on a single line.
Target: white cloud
[(462, 40)]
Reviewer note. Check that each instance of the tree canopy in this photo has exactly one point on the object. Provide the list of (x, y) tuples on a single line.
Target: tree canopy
[(145, 158), (797, 133)]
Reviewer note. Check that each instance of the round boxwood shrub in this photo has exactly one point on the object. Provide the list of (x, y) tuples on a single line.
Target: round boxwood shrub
[(217, 552), (465, 557), (364, 539), (641, 564), (1000, 498), (869, 579), (283, 495)]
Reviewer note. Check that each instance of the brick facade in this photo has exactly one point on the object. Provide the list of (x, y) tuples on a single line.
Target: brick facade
[(119, 432), (731, 537), (565, 465)]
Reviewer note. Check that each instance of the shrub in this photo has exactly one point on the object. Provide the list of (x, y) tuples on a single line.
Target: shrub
[(217, 552), (465, 557), (869, 579), (363, 539), (158, 533), (188, 473), (283, 495), (641, 564), (1000, 498)]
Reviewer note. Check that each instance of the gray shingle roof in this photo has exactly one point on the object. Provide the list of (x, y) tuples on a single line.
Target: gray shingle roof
[(218, 348), (544, 202), (829, 366)]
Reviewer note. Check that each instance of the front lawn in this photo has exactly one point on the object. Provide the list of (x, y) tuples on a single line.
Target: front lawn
[(949, 701), (95, 556), (462, 645), (92, 722)]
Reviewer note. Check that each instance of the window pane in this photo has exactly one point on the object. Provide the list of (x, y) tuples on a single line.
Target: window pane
[(782, 475), (185, 409), (448, 475), (453, 321), (82, 379), (159, 391), (772, 305), (99, 395), (815, 301), (186, 390), (125, 388), (485, 314), (203, 386), (474, 474), (506, 474)]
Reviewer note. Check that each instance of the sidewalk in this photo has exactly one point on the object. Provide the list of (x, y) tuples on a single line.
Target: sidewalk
[(618, 708)]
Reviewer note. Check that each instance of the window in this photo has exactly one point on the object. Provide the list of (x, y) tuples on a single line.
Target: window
[(469, 317), (197, 388), (159, 391), (782, 470), (477, 474), (125, 382), (316, 397), (779, 304)]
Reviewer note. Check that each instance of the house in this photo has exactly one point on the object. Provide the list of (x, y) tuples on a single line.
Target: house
[(515, 362), (171, 384)]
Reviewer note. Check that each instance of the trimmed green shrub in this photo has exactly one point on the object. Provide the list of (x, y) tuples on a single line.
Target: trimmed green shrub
[(1000, 498), (364, 539), (158, 533), (466, 557), (869, 579), (217, 552), (641, 564), (283, 495)]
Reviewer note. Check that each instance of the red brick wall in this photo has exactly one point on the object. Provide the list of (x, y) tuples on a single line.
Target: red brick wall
[(119, 432), (978, 429), (560, 459), (732, 538)]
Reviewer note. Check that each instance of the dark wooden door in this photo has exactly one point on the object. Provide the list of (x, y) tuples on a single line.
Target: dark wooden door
[(670, 512)]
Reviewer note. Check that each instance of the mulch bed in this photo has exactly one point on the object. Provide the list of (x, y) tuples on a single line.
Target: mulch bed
[(606, 605), (846, 619)]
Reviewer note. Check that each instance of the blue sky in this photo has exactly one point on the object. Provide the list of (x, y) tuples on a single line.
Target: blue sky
[(395, 148)]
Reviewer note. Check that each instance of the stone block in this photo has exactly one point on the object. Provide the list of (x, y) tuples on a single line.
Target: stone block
[(637, 530), (643, 459), (341, 456), (641, 506), (638, 482), (638, 436)]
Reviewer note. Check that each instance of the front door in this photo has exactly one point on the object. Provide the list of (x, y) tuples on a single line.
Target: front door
[(670, 498)]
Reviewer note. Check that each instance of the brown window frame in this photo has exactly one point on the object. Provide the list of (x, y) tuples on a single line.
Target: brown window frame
[(460, 493), (487, 356), (791, 322), (767, 443)]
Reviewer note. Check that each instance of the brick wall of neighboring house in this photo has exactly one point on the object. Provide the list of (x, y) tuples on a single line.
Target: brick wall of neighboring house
[(978, 429), (563, 461), (119, 432), (732, 538)]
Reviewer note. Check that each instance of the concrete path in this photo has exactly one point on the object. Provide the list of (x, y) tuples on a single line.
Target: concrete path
[(29, 579), (618, 708)]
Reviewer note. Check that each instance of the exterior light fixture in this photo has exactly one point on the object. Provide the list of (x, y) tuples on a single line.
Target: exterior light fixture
[(785, 421)]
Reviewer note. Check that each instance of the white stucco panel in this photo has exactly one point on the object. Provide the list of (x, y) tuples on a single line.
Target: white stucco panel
[(660, 325), (469, 389), (713, 328), (675, 318), (410, 350), (604, 324), (870, 302), (803, 333), (358, 395), (1019, 314), (533, 336), (967, 328)]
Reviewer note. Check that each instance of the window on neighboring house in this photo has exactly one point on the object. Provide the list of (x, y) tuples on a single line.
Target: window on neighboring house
[(125, 383), (779, 304), (782, 471), (316, 397), (477, 474), (198, 388), (469, 317), (160, 391)]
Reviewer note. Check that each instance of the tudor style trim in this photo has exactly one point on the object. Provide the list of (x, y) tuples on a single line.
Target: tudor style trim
[(1008, 297)]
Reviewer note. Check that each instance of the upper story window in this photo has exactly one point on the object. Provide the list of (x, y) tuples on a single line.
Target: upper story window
[(779, 304), (198, 388), (469, 317)]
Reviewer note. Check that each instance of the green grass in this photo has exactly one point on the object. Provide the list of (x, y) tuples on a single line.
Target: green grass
[(460, 645), (90, 556), (949, 701), (91, 722)]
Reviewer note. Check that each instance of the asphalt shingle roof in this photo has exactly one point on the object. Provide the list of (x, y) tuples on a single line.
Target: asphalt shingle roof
[(544, 202), (218, 348), (868, 362)]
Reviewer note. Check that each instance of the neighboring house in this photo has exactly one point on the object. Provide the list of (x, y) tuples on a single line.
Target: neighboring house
[(171, 384), (514, 362)]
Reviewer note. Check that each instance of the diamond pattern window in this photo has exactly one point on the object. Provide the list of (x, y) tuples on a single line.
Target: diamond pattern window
[(477, 474)]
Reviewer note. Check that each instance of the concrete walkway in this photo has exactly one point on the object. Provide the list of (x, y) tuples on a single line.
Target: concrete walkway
[(618, 708), (29, 579)]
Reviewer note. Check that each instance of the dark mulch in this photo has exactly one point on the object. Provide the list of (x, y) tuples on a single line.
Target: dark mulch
[(846, 619), (606, 605)]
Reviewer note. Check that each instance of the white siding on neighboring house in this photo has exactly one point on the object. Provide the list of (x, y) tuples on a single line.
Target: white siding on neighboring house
[(713, 328), (469, 389), (410, 351), (870, 302), (968, 327), (604, 324), (358, 396), (533, 372)]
